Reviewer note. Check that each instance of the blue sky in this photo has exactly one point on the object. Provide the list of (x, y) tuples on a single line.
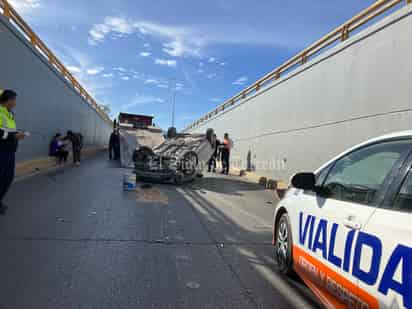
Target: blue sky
[(133, 55)]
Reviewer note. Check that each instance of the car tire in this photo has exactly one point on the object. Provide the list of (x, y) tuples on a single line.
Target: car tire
[(189, 164), (283, 249), (210, 136), (171, 133)]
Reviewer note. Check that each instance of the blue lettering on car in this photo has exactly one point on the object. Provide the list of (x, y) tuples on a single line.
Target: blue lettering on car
[(313, 234)]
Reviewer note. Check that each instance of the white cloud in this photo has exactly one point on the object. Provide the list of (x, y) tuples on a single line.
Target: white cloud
[(116, 25), (95, 71), (179, 86), (23, 6), (96, 87), (201, 64), (212, 59), (146, 45), (215, 100), (192, 40), (145, 54), (137, 75), (143, 99), (211, 75), (125, 77), (169, 63), (180, 41), (120, 69), (163, 86), (223, 64), (200, 71), (240, 81), (74, 69), (108, 75), (151, 81)]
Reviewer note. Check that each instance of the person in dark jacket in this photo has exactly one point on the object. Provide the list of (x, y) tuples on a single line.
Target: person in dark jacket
[(9, 137), (77, 145), (57, 149), (114, 146), (215, 157)]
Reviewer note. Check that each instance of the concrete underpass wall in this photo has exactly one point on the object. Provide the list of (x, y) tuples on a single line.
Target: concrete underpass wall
[(357, 90), (47, 103)]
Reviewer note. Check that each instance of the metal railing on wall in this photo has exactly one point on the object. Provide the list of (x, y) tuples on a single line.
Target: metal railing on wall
[(17, 21), (341, 33)]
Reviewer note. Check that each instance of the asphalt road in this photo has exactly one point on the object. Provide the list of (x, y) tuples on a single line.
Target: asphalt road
[(74, 239)]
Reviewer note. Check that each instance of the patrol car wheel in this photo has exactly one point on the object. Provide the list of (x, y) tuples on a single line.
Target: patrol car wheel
[(284, 245)]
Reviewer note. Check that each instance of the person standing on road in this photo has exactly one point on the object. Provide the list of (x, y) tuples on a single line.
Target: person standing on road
[(226, 148), (114, 146), (215, 157), (77, 145), (9, 137), (57, 149)]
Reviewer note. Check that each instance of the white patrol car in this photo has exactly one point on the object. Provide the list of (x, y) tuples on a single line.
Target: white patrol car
[(346, 229)]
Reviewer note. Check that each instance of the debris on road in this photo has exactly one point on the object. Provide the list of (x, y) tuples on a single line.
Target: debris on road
[(129, 182), (148, 194)]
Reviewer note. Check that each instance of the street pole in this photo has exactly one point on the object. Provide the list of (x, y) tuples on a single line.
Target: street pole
[(174, 103), (174, 108)]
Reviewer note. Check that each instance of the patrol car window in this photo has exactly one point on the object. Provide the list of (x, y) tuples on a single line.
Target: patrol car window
[(404, 198), (321, 176), (358, 176)]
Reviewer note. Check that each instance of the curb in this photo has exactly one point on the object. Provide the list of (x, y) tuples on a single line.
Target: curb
[(279, 186), (27, 169)]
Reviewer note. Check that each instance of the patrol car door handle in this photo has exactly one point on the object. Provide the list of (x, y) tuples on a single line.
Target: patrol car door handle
[(350, 223)]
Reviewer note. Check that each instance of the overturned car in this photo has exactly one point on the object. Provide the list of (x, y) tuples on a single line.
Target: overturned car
[(179, 159)]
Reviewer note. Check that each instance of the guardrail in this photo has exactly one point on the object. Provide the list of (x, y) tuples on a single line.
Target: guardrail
[(16, 20), (341, 33)]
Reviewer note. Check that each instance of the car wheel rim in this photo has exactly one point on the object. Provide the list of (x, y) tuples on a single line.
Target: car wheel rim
[(189, 165), (282, 244)]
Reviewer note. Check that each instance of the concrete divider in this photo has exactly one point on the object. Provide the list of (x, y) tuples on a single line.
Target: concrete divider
[(356, 90), (47, 102)]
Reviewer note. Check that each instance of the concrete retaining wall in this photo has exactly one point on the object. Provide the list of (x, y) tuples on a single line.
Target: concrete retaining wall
[(359, 89), (47, 103)]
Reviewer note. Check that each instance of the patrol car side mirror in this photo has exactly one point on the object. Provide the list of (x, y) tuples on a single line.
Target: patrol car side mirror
[(304, 181)]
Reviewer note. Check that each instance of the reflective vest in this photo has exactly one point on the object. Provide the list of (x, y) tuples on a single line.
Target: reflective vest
[(7, 122)]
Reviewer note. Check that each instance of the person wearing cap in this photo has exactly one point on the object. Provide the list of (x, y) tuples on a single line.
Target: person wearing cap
[(9, 137)]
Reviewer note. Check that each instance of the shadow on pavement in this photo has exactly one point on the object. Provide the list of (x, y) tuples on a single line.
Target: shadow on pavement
[(223, 184), (247, 253)]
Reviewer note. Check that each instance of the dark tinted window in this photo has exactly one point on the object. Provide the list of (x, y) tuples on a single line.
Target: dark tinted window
[(358, 176), (404, 199)]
